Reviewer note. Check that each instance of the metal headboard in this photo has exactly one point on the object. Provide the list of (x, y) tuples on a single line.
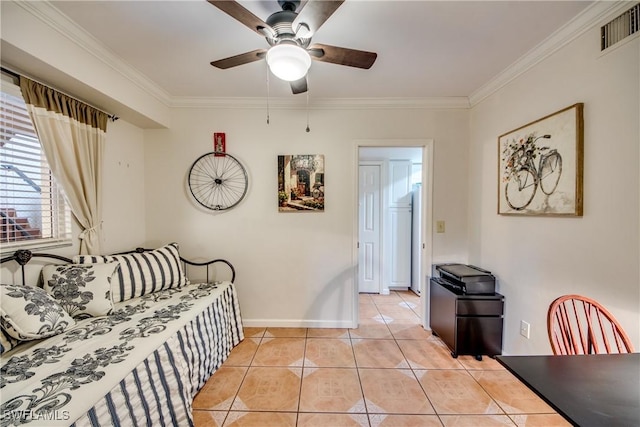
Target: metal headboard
[(187, 263), (23, 256)]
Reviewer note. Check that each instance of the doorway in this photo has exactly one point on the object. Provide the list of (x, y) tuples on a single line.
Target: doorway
[(393, 247)]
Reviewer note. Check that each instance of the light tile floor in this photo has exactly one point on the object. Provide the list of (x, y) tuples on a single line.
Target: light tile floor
[(387, 372)]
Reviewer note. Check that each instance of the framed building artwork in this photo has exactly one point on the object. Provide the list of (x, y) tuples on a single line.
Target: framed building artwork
[(301, 183), (540, 166)]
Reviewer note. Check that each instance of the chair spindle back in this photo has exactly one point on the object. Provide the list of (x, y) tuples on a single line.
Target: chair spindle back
[(580, 325)]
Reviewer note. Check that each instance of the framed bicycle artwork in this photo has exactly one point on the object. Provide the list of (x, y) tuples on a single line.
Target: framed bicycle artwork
[(540, 166)]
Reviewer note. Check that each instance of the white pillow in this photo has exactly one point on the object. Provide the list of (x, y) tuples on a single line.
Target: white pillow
[(83, 290), (142, 273), (29, 313)]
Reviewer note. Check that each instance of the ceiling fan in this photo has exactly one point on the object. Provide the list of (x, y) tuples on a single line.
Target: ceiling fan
[(289, 34)]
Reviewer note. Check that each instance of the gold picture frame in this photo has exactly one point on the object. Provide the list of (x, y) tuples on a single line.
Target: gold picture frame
[(540, 166)]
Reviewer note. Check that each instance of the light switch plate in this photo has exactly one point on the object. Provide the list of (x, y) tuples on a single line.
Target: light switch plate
[(525, 329)]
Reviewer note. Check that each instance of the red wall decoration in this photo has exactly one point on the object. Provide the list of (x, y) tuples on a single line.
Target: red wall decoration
[(219, 142)]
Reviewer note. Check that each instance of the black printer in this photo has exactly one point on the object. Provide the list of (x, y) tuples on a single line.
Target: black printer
[(467, 278)]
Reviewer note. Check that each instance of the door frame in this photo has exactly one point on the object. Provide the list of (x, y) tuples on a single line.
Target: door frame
[(427, 217)]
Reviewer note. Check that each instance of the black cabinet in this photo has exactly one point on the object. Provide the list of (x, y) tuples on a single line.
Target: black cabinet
[(468, 324)]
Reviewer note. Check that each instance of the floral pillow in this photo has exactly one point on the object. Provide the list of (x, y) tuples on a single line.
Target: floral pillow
[(83, 290), (29, 313)]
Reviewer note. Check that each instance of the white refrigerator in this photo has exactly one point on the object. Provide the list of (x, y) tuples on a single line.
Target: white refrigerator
[(416, 237)]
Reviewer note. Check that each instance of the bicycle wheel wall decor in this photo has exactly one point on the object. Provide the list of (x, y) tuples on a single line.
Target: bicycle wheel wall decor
[(217, 181), (540, 166)]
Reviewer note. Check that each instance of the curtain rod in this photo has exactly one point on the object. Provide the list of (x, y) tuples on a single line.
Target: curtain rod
[(16, 75)]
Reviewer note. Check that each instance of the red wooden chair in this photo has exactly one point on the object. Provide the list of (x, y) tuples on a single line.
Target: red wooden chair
[(581, 325)]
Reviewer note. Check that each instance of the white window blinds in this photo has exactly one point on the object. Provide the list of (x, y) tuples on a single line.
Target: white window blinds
[(33, 212)]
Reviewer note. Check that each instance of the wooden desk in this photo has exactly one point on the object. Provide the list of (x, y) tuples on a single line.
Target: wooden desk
[(591, 390)]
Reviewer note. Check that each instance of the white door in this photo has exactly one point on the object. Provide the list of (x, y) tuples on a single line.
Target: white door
[(369, 228), (399, 183), (400, 247), (416, 239), (398, 224)]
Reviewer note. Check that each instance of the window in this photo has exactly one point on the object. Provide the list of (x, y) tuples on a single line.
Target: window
[(33, 211)]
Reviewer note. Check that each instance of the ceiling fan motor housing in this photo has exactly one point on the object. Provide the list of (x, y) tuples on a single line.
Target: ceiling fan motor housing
[(291, 5), (281, 23)]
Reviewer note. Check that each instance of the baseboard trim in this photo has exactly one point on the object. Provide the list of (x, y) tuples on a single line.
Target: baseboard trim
[(298, 323)]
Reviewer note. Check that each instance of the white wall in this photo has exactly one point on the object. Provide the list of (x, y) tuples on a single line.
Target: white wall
[(538, 259), (123, 190), (293, 268)]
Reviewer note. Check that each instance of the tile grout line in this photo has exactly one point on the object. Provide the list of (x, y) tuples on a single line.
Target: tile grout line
[(416, 376), (304, 355), (355, 362), (466, 370), (244, 377)]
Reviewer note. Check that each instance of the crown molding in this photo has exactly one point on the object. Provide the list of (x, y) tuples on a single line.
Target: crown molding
[(459, 102), (581, 23), (51, 16), (592, 15)]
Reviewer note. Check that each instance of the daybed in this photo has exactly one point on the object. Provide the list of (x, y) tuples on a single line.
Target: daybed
[(127, 340)]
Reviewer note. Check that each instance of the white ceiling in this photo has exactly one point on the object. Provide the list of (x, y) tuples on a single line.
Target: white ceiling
[(425, 48)]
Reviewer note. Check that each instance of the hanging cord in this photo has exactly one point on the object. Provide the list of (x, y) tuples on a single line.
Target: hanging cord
[(267, 93), (308, 129)]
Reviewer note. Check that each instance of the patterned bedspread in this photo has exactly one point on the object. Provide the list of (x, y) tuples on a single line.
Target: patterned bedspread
[(141, 365)]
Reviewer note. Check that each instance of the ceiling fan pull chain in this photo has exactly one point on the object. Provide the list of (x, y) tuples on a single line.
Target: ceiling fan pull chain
[(308, 129), (267, 95)]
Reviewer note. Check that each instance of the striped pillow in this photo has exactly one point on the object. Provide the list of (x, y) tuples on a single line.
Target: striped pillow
[(7, 342), (142, 273)]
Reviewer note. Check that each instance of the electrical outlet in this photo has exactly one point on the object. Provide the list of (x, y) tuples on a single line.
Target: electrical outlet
[(525, 329), (439, 226)]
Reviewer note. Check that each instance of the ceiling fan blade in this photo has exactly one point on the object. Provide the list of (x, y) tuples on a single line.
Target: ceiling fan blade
[(243, 58), (299, 86), (314, 13), (242, 15), (342, 55)]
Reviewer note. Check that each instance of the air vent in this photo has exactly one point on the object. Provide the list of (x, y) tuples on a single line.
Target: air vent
[(621, 27)]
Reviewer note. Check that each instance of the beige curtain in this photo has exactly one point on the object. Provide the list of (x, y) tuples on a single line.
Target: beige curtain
[(72, 135)]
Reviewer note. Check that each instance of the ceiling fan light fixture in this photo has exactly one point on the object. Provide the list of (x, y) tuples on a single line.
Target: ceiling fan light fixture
[(288, 62)]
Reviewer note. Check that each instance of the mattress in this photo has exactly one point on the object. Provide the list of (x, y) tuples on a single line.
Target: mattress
[(141, 365)]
